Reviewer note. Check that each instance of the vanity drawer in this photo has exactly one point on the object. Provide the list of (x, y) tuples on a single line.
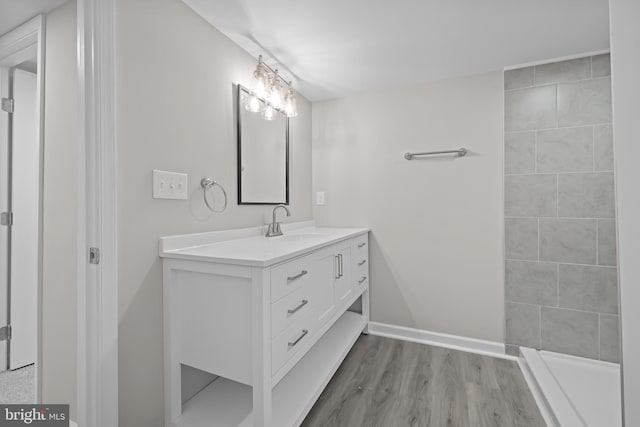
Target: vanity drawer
[(290, 276), (360, 266), (292, 307), (361, 247), (289, 343), (361, 279)]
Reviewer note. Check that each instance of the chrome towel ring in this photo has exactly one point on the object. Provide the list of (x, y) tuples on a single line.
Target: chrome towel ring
[(207, 184)]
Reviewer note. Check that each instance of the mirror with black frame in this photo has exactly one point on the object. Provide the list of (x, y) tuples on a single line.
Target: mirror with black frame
[(263, 151)]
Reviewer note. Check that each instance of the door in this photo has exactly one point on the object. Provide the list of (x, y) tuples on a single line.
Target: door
[(24, 205)]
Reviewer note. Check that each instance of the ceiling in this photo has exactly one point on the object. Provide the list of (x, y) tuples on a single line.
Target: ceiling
[(335, 48), (15, 12)]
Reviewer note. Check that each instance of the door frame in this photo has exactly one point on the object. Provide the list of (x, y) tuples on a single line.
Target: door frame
[(97, 227), (16, 46)]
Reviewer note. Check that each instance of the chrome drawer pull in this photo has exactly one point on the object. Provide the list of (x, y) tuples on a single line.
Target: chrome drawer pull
[(297, 276), (297, 340), (362, 245), (361, 281), (302, 304), (362, 262)]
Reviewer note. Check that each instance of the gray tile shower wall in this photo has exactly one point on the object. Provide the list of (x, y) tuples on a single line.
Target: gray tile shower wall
[(561, 282)]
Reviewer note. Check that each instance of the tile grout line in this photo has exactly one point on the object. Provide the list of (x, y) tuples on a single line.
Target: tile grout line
[(561, 263), (562, 173), (561, 217), (608, 76), (558, 128), (578, 310)]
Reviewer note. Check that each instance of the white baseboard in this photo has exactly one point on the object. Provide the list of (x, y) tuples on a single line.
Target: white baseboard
[(72, 424), (454, 342)]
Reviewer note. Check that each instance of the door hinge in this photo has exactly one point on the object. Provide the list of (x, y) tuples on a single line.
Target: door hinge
[(5, 333), (7, 105), (94, 256), (6, 218)]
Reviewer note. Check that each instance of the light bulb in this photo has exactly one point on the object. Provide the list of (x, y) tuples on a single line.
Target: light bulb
[(290, 105), (276, 97), (269, 113), (252, 104), (261, 83), (276, 91)]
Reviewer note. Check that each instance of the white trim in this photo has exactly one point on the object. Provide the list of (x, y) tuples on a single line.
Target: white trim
[(558, 59), (538, 395), (556, 401), (97, 284), (454, 342), (16, 46)]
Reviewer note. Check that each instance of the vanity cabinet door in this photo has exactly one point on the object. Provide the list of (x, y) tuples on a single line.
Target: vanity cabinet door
[(324, 293), (343, 285)]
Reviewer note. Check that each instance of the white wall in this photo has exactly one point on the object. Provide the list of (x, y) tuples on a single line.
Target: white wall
[(60, 209), (437, 235), (625, 69), (175, 76)]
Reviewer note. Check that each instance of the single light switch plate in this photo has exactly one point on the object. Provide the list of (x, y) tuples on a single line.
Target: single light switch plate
[(169, 185), (320, 198)]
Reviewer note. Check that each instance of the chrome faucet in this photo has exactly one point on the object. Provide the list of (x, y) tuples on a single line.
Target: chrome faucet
[(274, 228)]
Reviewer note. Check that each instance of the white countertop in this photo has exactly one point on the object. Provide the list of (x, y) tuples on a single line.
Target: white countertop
[(250, 247)]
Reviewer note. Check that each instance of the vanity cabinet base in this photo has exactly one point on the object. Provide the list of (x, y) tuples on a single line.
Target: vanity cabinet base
[(228, 403)]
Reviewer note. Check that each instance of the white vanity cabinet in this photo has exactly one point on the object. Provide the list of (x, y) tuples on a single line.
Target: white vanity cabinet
[(271, 318)]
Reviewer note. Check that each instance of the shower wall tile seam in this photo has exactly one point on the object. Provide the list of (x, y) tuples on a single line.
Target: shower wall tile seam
[(599, 218), (563, 308), (560, 173), (557, 127), (558, 83), (611, 267)]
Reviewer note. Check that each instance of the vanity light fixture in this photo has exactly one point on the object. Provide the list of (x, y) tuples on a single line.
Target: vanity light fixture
[(276, 93)]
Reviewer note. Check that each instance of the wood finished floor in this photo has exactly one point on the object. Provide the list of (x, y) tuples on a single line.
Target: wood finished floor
[(392, 383)]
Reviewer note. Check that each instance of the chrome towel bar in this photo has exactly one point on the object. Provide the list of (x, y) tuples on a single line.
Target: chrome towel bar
[(460, 152)]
